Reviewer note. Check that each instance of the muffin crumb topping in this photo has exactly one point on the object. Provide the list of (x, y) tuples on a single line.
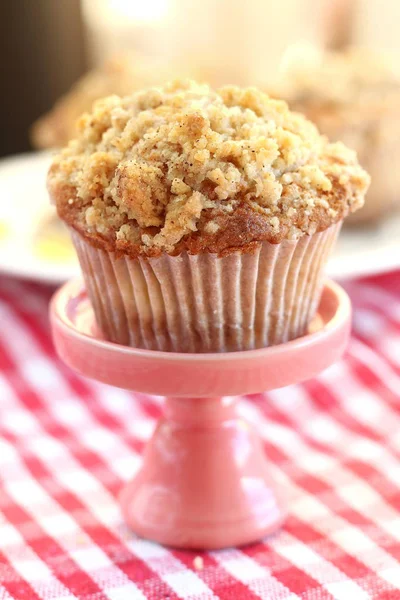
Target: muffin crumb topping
[(184, 166)]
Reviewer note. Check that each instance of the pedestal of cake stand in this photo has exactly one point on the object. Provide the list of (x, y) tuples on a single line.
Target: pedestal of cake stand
[(204, 480)]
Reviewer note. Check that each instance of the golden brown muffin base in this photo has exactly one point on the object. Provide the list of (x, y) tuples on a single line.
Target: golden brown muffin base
[(239, 231)]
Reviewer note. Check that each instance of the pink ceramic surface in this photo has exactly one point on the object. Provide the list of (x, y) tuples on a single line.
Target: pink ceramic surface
[(204, 479)]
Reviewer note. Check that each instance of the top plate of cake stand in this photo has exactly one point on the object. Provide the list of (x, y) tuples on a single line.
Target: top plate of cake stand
[(204, 479)]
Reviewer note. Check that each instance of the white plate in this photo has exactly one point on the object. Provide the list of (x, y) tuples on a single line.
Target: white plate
[(24, 204), (367, 251)]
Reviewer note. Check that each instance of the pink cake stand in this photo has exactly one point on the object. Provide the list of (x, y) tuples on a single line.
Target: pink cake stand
[(204, 480)]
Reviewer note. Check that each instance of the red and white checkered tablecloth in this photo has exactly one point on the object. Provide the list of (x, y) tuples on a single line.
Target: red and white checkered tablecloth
[(67, 444)]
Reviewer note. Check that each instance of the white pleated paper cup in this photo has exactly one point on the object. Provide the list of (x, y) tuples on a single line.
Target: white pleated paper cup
[(206, 303)]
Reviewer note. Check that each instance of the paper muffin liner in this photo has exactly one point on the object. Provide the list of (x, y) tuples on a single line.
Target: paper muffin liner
[(206, 303)]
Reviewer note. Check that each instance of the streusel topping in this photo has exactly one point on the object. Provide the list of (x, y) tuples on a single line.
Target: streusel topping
[(184, 166)]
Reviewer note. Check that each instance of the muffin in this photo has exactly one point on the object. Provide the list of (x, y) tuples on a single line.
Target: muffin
[(353, 97), (202, 219)]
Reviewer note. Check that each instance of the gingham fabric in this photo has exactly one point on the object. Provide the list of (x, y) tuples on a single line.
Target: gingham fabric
[(67, 445)]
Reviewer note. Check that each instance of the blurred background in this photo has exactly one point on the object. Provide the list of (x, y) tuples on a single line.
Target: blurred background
[(49, 44), (59, 56)]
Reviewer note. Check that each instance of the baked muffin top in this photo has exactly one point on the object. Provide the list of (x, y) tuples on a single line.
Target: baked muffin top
[(357, 77), (184, 167)]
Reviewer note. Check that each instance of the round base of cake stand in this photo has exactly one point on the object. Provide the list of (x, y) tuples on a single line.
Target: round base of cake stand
[(204, 481)]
